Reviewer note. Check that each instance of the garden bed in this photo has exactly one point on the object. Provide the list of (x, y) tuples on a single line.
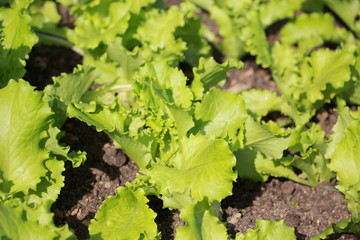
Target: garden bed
[(308, 210), (180, 120)]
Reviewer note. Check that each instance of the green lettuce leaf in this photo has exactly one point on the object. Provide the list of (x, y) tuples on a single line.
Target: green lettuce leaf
[(169, 84), (260, 138), (63, 152), (210, 73), (268, 230), (310, 145), (254, 37), (196, 45), (307, 85), (246, 159), (16, 41), (71, 87), (113, 119), (347, 11), (220, 114), (309, 31), (124, 216), (274, 10), (255, 99), (325, 69), (202, 222), (68, 88), (15, 223), (102, 21), (117, 64), (25, 118), (257, 167), (30, 216), (345, 161), (203, 164), (157, 34), (16, 29), (231, 43)]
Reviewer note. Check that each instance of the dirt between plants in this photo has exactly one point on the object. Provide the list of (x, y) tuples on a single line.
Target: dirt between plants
[(308, 210)]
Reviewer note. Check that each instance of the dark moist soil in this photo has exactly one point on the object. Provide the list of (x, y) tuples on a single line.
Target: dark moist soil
[(308, 210), (46, 62), (87, 186), (250, 76)]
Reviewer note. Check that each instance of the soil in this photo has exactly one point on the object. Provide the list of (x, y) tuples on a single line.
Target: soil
[(87, 186), (250, 76), (46, 62), (308, 210)]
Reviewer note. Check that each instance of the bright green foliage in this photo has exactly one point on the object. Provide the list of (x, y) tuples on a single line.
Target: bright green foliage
[(255, 97), (209, 73), (16, 29), (161, 39), (44, 21), (231, 44), (16, 41), (114, 121), (255, 40), (196, 46), (202, 223), (190, 139), (260, 138), (273, 10), (124, 216), (230, 17), (345, 161), (324, 70), (257, 167), (245, 165), (16, 224), (268, 230), (347, 11), (310, 144), (25, 118), (313, 82), (30, 217), (169, 84), (71, 87), (203, 164), (352, 92), (63, 152), (102, 21), (309, 31), (220, 114), (30, 174)]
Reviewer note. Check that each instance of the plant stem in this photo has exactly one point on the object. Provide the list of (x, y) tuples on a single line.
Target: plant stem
[(49, 38)]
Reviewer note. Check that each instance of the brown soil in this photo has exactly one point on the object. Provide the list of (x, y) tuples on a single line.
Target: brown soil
[(250, 76), (326, 118), (46, 62), (87, 186), (306, 209)]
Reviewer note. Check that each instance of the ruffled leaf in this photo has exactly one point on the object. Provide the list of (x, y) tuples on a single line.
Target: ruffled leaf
[(269, 230), (210, 73), (202, 223), (217, 116), (124, 216), (25, 118), (204, 164)]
